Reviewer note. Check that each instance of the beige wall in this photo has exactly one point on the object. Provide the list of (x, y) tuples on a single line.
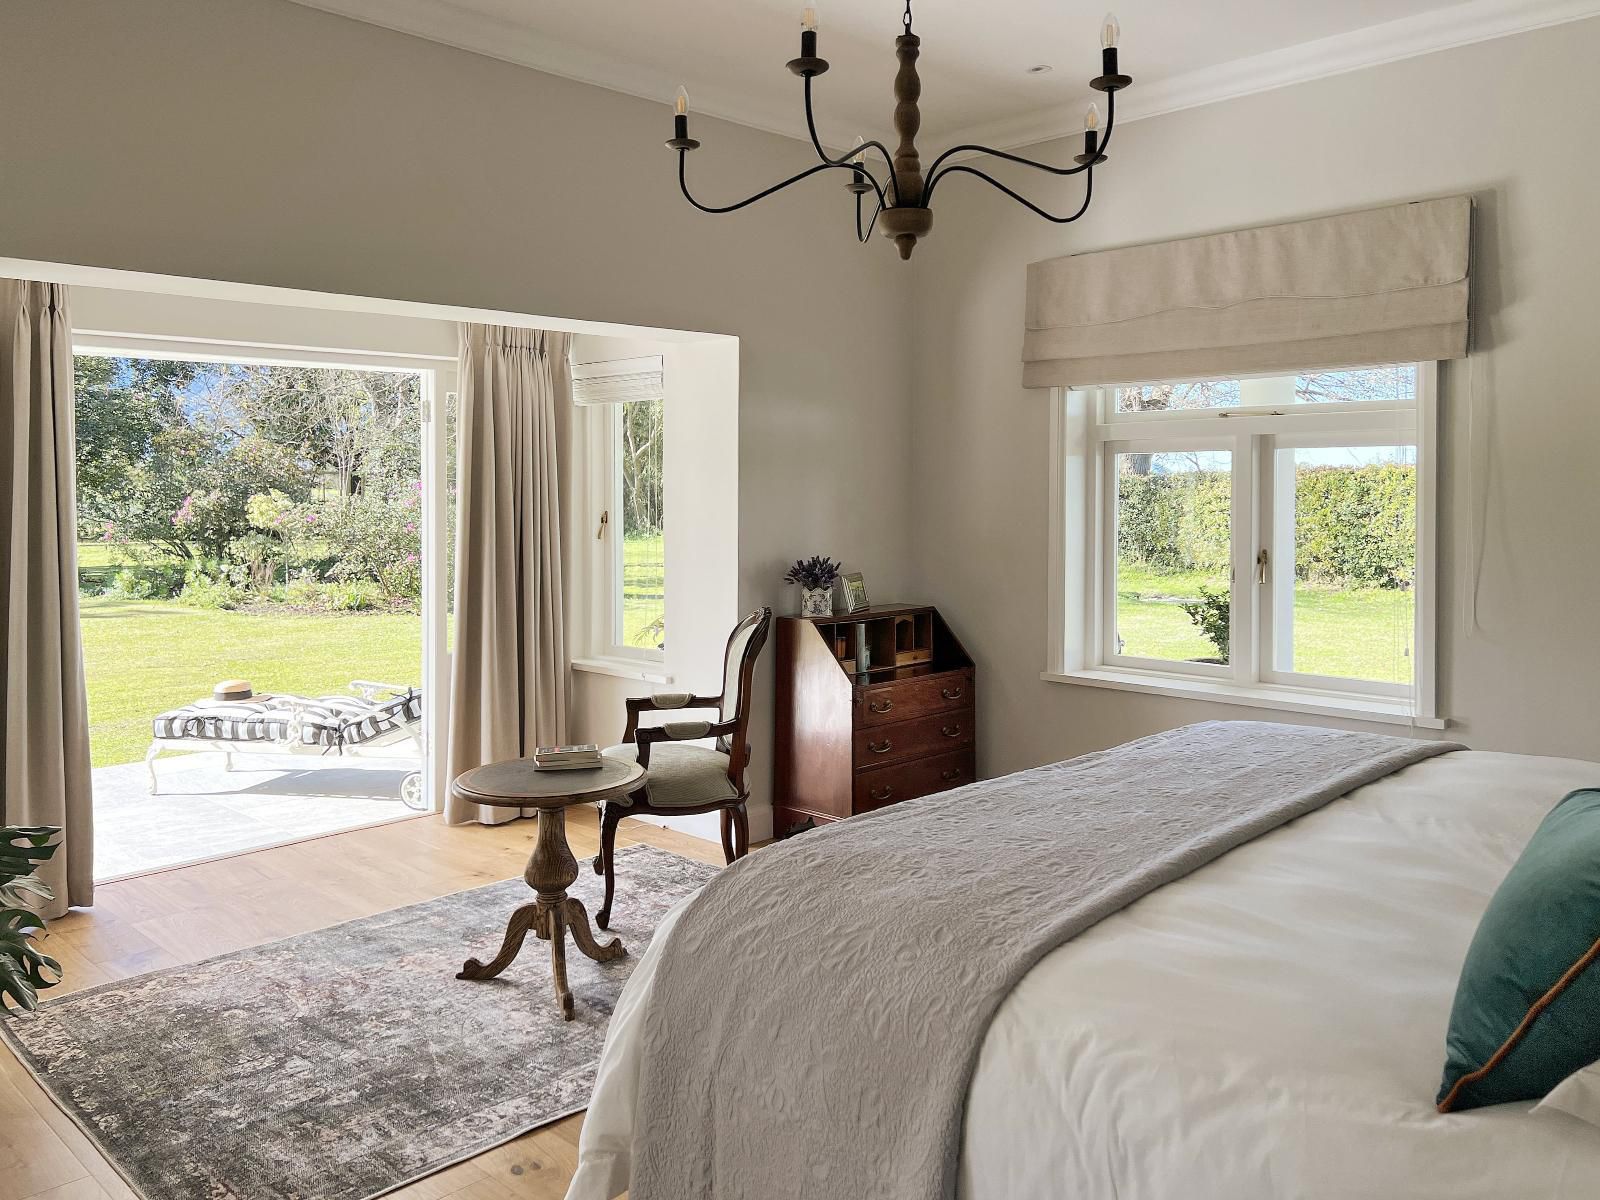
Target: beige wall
[(263, 141), (1511, 121)]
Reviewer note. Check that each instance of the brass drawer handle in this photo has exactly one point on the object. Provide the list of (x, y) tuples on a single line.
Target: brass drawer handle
[(880, 708), (952, 773), (952, 693), (951, 731), (879, 747), (882, 793)]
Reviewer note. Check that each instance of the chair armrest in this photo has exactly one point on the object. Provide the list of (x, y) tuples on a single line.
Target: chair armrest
[(663, 701), (678, 731)]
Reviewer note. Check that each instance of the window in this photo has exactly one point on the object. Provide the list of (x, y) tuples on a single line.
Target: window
[(625, 435), (1264, 541)]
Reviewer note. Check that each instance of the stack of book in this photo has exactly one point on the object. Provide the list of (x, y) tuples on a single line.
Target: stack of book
[(566, 758)]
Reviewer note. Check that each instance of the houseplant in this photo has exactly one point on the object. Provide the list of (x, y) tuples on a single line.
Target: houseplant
[(815, 575), (23, 967)]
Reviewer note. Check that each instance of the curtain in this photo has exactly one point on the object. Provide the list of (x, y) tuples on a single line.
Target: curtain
[(510, 671), (43, 708), (1383, 285)]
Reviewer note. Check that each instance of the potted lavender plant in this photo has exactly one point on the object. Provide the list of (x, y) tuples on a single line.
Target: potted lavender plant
[(815, 575)]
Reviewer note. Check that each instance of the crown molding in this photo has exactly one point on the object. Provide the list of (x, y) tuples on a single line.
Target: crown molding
[(512, 42), (1393, 41), (1426, 33)]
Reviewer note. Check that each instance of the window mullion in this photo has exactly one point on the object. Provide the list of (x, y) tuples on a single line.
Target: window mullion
[(1245, 533)]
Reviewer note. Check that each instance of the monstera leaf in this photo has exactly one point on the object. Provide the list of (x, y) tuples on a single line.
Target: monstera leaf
[(24, 969)]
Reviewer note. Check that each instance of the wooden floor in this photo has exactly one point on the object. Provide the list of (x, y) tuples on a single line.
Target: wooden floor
[(190, 913)]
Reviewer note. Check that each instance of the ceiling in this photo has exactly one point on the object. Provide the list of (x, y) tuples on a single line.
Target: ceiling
[(975, 56)]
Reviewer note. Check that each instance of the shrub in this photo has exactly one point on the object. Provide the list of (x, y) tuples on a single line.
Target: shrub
[(1212, 614), (202, 591), (1354, 527), (147, 583), (353, 595)]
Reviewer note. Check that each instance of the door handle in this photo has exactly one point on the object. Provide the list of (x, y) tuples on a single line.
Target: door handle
[(883, 707), (952, 693), (879, 747), (882, 793), (952, 773), (951, 731)]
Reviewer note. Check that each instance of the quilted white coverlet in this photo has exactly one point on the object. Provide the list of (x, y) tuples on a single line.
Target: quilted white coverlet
[(818, 1010), (1271, 1026)]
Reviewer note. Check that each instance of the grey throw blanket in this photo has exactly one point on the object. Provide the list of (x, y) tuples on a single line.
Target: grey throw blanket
[(818, 1011)]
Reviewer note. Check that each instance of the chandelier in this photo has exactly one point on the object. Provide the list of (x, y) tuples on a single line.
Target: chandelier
[(902, 204)]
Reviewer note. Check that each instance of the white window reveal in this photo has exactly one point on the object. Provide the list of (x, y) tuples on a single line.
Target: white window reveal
[(622, 401), (1263, 541)]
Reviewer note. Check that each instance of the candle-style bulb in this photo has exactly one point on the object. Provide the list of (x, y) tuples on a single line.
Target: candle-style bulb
[(808, 18), (860, 154), (1110, 32), (1091, 119), (680, 105)]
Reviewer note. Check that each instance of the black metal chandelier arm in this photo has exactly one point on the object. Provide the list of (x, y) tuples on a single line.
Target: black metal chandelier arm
[(1088, 191), (864, 235), (683, 184), (934, 171), (816, 144), (1111, 119)]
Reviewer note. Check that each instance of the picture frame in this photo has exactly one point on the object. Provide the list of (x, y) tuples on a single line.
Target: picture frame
[(855, 592)]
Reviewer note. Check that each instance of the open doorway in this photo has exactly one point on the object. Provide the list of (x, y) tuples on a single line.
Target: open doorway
[(254, 553)]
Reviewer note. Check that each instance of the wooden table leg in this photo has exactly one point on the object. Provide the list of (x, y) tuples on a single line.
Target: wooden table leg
[(551, 870)]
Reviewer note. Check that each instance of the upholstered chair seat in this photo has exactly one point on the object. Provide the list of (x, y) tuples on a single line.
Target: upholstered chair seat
[(681, 774)]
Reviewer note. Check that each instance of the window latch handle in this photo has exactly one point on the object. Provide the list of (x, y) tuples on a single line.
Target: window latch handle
[(1261, 566), (605, 519)]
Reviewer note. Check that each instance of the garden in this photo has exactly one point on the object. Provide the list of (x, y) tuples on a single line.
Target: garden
[(1355, 530), (242, 521)]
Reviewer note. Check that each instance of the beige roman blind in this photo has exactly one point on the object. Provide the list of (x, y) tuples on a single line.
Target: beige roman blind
[(1382, 285)]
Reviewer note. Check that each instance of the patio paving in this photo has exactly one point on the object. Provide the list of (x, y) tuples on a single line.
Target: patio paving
[(205, 811)]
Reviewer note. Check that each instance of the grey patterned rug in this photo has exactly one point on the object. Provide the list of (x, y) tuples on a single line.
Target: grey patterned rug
[(339, 1064)]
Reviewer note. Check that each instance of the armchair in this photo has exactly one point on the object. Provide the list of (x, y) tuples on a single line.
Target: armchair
[(681, 776)]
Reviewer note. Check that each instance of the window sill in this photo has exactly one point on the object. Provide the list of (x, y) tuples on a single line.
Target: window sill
[(623, 668), (1285, 699)]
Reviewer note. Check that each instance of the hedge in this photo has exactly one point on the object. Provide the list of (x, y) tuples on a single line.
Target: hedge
[(1355, 527)]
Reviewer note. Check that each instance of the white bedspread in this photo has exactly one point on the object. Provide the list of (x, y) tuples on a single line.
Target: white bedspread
[(1271, 1027)]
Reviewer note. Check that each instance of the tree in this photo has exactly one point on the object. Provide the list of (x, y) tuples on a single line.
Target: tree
[(344, 425), (643, 429), (123, 406)]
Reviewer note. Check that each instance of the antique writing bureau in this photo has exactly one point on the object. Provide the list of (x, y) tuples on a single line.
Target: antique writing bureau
[(873, 707)]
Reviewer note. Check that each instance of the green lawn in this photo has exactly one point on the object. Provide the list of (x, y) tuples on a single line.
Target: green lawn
[(143, 657), (1355, 634), (643, 586)]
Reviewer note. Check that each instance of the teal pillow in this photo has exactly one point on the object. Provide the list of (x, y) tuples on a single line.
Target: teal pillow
[(1527, 1010)]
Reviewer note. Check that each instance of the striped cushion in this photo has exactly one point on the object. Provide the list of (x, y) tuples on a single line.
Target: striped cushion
[(329, 722)]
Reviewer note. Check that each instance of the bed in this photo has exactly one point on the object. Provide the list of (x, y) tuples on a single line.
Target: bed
[(1269, 1026)]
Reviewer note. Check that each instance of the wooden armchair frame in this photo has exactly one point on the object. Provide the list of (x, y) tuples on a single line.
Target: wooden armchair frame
[(732, 736)]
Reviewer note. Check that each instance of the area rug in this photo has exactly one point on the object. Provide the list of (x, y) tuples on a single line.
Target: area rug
[(340, 1064)]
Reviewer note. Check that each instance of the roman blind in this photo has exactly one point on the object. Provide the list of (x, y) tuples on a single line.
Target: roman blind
[(1382, 285), (617, 381)]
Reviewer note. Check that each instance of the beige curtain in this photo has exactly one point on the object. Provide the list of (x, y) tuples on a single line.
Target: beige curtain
[(1382, 285), (511, 674), (43, 709)]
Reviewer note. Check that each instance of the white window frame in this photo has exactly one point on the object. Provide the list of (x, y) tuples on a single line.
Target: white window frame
[(1085, 435), (601, 566)]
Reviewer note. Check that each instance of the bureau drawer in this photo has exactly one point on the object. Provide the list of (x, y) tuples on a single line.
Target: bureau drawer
[(907, 699), (938, 734), (883, 786)]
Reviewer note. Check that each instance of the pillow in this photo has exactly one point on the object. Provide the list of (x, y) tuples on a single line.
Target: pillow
[(1578, 1095), (1527, 1009)]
